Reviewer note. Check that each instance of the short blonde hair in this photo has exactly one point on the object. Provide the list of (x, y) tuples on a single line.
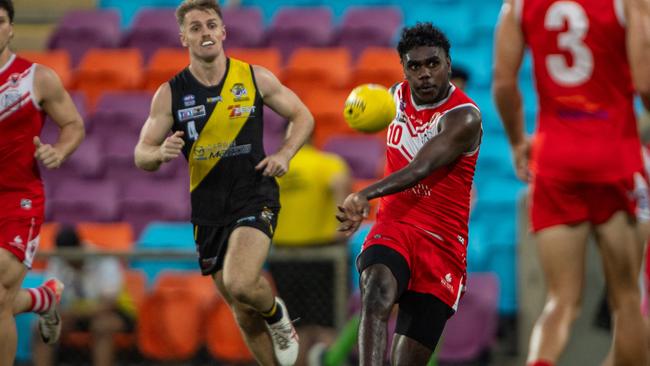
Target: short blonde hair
[(189, 5)]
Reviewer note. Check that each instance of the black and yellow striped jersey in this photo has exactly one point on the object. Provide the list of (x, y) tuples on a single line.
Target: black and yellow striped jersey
[(223, 130)]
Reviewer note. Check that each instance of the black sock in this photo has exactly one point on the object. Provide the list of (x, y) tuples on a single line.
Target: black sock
[(274, 314)]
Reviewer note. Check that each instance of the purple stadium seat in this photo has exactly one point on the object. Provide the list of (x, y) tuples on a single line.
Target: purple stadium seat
[(143, 202), (300, 27), (274, 130), (118, 154), (153, 28), (362, 27), (88, 160), (472, 330), (80, 30), (364, 154), (84, 200), (244, 27), (122, 111)]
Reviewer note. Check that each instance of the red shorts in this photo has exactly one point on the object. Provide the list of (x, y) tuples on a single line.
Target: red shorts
[(559, 202), (438, 264), (20, 235)]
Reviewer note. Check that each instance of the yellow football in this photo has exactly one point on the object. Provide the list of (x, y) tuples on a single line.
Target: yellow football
[(369, 108)]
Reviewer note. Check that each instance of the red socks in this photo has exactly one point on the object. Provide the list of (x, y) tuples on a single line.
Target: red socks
[(42, 299), (541, 363)]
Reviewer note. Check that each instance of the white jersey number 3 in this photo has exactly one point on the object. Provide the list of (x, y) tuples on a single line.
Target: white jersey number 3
[(572, 40)]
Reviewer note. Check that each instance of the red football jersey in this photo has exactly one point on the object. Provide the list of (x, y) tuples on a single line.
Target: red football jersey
[(438, 204), (586, 127), (21, 118)]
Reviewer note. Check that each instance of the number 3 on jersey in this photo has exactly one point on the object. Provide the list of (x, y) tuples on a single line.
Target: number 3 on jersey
[(571, 40)]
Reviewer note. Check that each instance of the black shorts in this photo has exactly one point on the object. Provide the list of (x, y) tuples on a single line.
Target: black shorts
[(212, 241)]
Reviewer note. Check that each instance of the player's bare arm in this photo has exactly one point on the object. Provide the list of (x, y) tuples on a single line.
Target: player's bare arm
[(287, 104), (637, 15), (460, 132), (56, 102), (153, 147), (509, 53)]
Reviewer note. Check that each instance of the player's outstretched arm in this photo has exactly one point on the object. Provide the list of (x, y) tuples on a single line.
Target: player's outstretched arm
[(153, 148), (287, 104), (57, 104), (637, 15), (508, 54), (460, 132)]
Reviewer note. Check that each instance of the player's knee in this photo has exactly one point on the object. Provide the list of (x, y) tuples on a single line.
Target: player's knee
[(239, 289), (566, 307), (5, 300), (378, 292)]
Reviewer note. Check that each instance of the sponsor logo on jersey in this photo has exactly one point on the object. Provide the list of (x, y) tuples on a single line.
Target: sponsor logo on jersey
[(240, 92), (191, 113), (26, 204), (189, 100), (214, 100), (220, 150), (18, 243), (237, 111), (446, 282)]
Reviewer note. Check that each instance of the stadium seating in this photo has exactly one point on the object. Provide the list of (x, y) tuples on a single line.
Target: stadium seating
[(364, 154), (152, 29), (143, 202), (165, 235), (163, 65), (364, 27), (327, 108), (81, 200), (300, 27), (81, 30), (114, 236), (109, 70), (244, 27), (328, 68), (472, 330), (379, 66), (119, 111), (57, 60)]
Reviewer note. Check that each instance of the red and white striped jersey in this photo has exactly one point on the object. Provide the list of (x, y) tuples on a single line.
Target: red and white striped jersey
[(21, 118), (440, 202), (586, 124)]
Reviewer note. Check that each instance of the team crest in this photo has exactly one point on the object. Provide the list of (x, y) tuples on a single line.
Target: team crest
[(13, 80), (239, 91)]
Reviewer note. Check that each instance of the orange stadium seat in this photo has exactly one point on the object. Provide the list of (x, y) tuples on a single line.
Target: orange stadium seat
[(102, 70), (201, 286), (227, 344), (171, 319), (57, 60), (271, 58), (46, 243), (318, 68), (116, 236), (327, 108), (378, 65), (163, 65)]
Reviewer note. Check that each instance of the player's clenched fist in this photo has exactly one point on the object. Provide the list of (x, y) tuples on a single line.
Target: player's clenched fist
[(48, 155), (172, 146)]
